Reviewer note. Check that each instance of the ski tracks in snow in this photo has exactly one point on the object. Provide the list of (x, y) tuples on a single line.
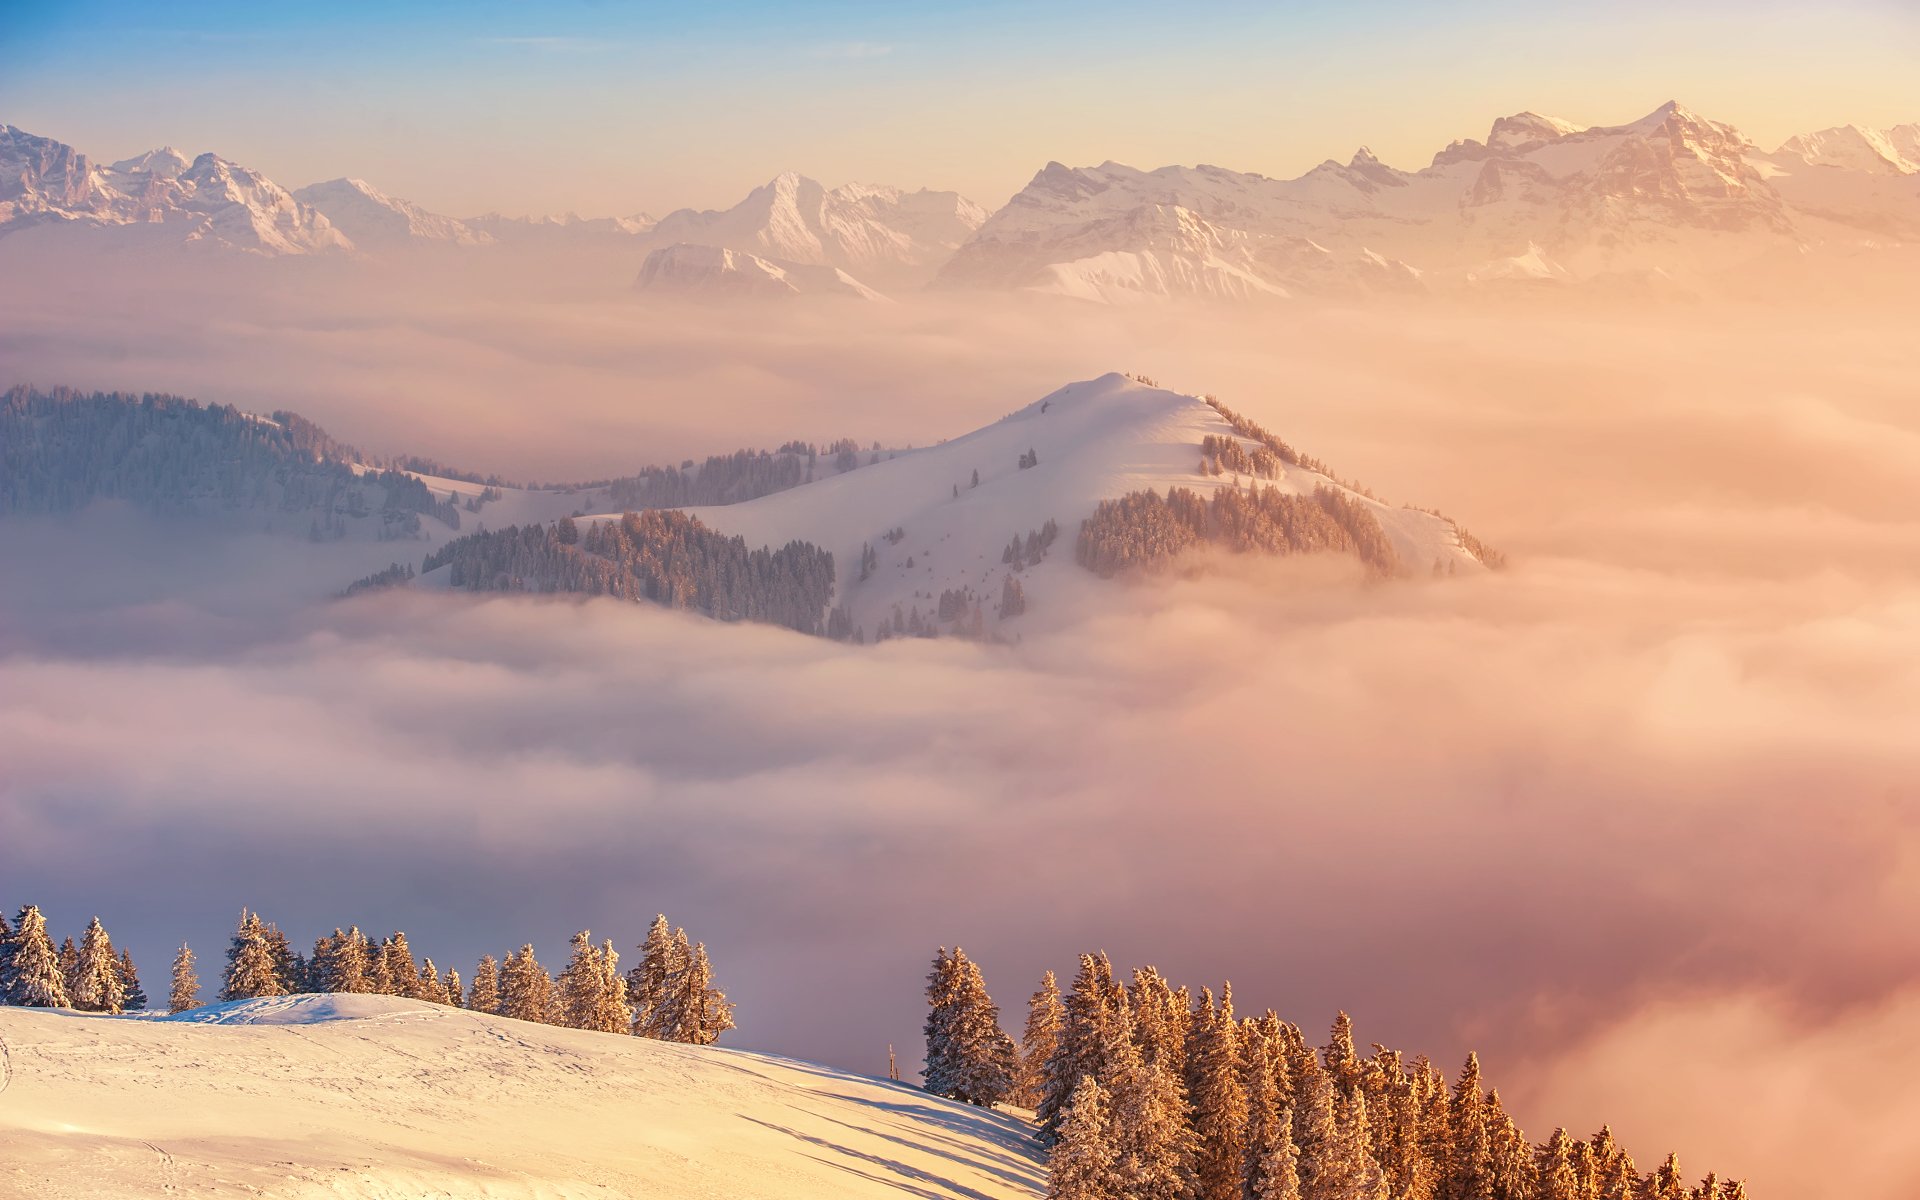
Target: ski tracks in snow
[(6, 1064)]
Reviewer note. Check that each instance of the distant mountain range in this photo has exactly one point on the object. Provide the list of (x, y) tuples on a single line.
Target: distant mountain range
[(1672, 196)]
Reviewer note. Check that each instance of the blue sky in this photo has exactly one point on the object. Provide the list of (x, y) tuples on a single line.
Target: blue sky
[(619, 107)]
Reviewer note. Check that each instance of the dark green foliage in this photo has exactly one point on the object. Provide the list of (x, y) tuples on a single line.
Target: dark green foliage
[(665, 557)]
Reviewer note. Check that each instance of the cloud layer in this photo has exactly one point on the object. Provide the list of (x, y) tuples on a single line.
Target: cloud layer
[(1636, 819)]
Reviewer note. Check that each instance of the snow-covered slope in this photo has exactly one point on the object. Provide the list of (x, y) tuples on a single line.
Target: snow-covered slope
[(166, 200), (1096, 440), (1672, 193), (712, 271), (387, 1099), (1851, 185), (1894, 151), (374, 219), (882, 234)]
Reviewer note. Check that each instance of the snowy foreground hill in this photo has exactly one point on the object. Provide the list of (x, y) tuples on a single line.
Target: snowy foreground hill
[(378, 1097)]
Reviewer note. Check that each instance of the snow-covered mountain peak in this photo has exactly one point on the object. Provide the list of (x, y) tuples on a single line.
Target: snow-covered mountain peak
[(374, 219), (717, 272), (162, 163), (1894, 151), (918, 524), (1523, 131), (865, 230)]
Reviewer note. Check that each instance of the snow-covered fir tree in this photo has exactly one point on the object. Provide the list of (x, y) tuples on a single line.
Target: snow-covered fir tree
[(1217, 1093), (1038, 1043), (1277, 1169), (32, 976), (969, 1057), (526, 990), (455, 994), (663, 957), (1096, 1022), (1155, 1146), (251, 970), (1469, 1167), (397, 968), (484, 995), (1081, 1164), (588, 994), (185, 990), (1556, 1177), (704, 1012), (135, 995), (96, 985)]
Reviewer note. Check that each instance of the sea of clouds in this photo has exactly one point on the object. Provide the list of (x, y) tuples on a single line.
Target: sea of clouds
[(1636, 818)]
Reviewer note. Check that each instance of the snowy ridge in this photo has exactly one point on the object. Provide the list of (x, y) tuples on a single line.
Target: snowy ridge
[(449, 1102), (1670, 195), (1096, 440), (374, 219), (717, 272), (209, 201), (883, 233)]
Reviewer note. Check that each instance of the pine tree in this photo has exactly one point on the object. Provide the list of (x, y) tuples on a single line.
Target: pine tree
[(136, 996), (1348, 1170), (69, 958), (1509, 1157), (455, 995), (401, 973), (1278, 1169), (702, 1010), (250, 967), (96, 985), (526, 990), (1217, 1093), (1081, 1164), (1038, 1043), (1615, 1176), (185, 993), (484, 995), (1555, 1172), (1469, 1169), (1665, 1183), (650, 983), (1266, 1126), (1343, 1064), (1154, 1146), (968, 1056), (1096, 1022), (427, 986), (613, 1014), (32, 978), (1162, 1019), (1314, 1128), (578, 991)]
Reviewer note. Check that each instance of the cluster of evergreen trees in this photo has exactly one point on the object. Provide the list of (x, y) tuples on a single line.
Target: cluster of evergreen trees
[(1145, 1092), (732, 478), (62, 449), (393, 575), (670, 995), (664, 557), (90, 977), (1144, 529), (1024, 552)]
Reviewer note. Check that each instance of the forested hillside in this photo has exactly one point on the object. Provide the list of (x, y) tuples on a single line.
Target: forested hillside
[(660, 556), (1143, 1089), (61, 450)]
